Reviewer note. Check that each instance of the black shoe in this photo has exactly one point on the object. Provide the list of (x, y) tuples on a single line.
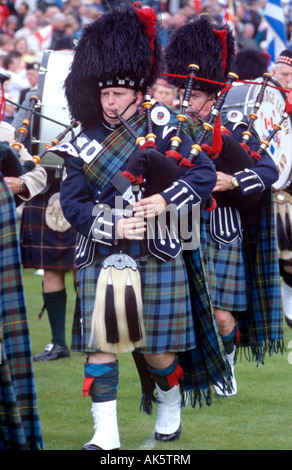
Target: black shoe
[(91, 447), (52, 352), (94, 447), (168, 437)]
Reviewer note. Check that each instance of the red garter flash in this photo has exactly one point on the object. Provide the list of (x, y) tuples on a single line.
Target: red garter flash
[(87, 382)]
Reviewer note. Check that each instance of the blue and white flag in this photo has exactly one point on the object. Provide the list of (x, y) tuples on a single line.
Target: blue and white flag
[(276, 31)]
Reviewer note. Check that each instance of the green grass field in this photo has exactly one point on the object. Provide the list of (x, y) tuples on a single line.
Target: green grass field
[(259, 417)]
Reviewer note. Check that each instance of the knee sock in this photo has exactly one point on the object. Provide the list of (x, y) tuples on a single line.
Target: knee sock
[(101, 381), (55, 303), (229, 340), (168, 377)]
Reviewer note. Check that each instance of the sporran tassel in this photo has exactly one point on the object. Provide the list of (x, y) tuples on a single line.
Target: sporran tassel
[(117, 318), (111, 324)]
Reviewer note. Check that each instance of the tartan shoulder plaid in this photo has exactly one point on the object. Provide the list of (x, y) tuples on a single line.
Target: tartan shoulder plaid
[(19, 419), (205, 365), (261, 327), (117, 148)]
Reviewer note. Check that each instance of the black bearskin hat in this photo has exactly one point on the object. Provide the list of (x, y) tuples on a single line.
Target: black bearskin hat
[(120, 48), (250, 64), (206, 44)]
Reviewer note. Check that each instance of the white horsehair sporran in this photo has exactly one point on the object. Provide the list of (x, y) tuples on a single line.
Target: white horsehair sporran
[(117, 318)]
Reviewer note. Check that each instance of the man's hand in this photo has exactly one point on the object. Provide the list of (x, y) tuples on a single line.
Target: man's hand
[(132, 228), (150, 206), (224, 182), (13, 183)]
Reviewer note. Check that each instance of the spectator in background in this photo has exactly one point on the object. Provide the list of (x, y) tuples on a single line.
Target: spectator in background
[(58, 23), (44, 4), (6, 44), (98, 4), (6, 9), (163, 92), (22, 11), (72, 32), (28, 31), (20, 45), (32, 73), (253, 16), (247, 40), (165, 25), (82, 15), (49, 13), (18, 79), (178, 19), (10, 26)]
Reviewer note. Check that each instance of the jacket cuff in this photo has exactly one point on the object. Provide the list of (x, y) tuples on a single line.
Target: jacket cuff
[(181, 195), (103, 227), (249, 181)]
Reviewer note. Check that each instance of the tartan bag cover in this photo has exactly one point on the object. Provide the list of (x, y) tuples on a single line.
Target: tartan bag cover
[(20, 426)]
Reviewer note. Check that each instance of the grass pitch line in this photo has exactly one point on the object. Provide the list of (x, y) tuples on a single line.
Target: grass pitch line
[(148, 445)]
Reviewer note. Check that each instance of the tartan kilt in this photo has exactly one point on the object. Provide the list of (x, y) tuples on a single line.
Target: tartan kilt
[(42, 247), (226, 273), (167, 310)]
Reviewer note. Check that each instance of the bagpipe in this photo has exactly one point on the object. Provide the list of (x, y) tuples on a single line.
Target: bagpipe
[(55, 141), (230, 156), (10, 164), (160, 170)]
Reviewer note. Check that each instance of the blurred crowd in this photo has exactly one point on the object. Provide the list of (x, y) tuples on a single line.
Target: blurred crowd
[(29, 27)]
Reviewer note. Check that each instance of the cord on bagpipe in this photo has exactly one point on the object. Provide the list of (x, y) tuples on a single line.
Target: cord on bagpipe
[(245, 158), (248, 158), (212, 125), (159, 170), (227, 163)]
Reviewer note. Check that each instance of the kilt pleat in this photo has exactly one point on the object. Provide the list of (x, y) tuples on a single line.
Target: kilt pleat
[(41, 247), (167, 311), (226, 273)]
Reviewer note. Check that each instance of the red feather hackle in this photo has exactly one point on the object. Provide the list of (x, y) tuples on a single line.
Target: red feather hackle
[(148, 17), (223, 39)]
